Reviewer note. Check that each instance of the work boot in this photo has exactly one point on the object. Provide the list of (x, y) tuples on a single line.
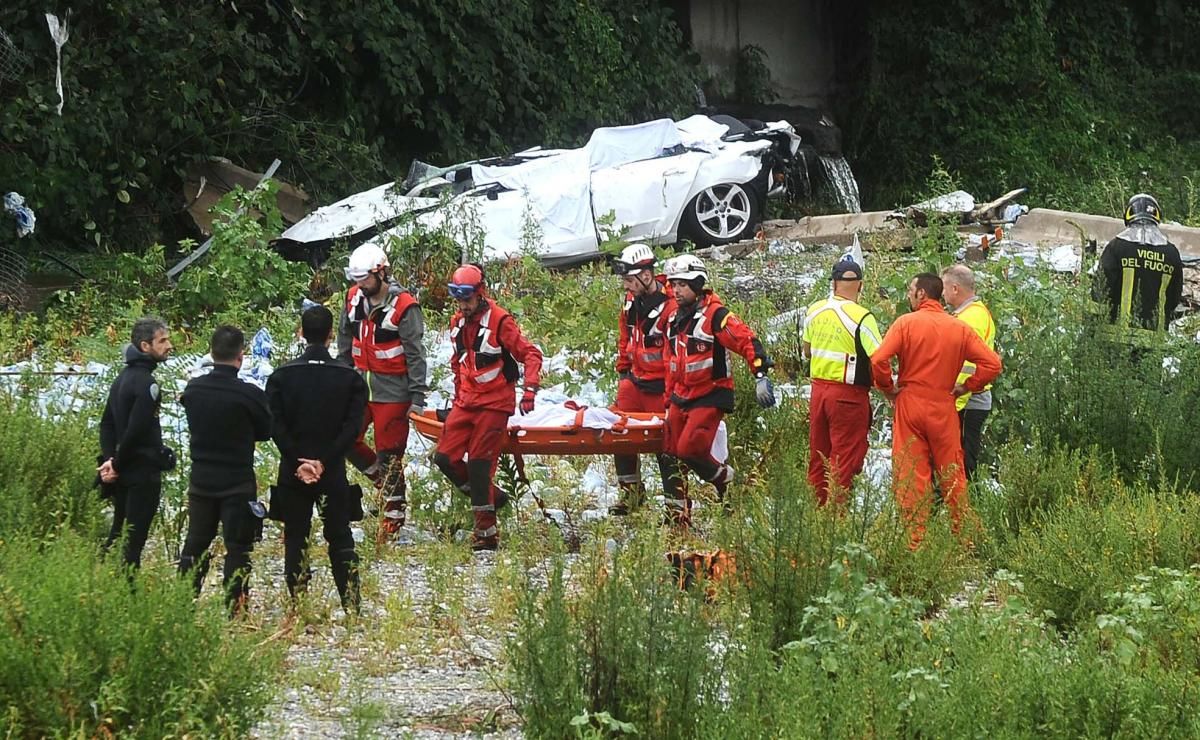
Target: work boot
[(393, 491), (484, 544), (486, 535)]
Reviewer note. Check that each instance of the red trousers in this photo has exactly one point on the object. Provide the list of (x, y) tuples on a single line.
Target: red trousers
[(391, 432), (926, 430), (391, 439), (689, 435), (632, 398), (478, 434), (839, 418)]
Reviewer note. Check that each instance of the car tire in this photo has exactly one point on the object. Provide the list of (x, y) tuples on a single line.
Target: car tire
[(722, 214)]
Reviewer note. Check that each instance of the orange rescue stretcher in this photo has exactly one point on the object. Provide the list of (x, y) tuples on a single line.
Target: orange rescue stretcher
[(574, 439)]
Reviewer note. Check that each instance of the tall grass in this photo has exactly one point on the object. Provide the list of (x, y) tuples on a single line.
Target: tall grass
[(46, 471), (84, 653)]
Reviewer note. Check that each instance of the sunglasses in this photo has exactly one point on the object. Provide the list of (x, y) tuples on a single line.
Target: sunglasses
[(461, 292)]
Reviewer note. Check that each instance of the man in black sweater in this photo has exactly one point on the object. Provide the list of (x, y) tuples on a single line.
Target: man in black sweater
[(225, 416), (131, 449), (317, 408)]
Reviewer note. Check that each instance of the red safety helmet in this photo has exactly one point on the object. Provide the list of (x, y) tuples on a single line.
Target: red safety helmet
[(466, 281)]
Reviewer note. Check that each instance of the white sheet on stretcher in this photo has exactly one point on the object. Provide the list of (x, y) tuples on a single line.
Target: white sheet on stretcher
[(559, 415)]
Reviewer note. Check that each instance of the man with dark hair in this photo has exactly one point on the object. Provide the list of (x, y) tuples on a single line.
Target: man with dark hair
[(488, 346), (699, 380), (317, 409), (380, 333), (932, 347), (225, 417), (132, 454), (641, 363)]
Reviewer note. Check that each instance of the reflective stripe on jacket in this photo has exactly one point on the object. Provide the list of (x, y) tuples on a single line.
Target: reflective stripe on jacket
[(375, 330), (641, 343), (977, 316), (842, 335), (486, 353), (698, 338)]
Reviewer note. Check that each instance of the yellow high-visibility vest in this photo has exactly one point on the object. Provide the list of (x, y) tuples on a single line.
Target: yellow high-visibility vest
[(842, 335), (977, 316)]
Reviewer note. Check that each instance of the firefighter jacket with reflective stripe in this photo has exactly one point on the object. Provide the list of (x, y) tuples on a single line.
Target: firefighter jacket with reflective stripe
[(842, 335), (385, 343), (977, 316), (698, 338), (932, 345), (642, 338), (1141, 283), (487, 347)]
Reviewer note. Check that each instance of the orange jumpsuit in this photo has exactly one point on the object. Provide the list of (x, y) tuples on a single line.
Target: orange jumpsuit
[(931, 346)]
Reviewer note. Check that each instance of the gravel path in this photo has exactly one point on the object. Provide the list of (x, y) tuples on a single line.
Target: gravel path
[(419, 663)]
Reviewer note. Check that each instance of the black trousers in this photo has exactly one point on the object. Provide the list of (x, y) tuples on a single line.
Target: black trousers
[(238, 525), (297, 530), (971, 421), (134, 507)]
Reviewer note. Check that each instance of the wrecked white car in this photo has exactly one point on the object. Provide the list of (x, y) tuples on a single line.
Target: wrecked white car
[(702, 178)]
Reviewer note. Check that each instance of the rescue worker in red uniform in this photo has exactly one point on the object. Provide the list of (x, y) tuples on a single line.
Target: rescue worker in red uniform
[(488, 345), (932, 346), (380, 333), (839, 337), (641, 364), (699, 380)]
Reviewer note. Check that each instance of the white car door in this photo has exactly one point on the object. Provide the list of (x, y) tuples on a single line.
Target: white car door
[(645, 197)]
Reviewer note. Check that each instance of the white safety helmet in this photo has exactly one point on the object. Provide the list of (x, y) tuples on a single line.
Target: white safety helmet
[(685, 267), (363, 261), (633, 259)]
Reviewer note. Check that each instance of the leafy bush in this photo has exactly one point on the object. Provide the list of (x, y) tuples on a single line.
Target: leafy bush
[(47, 469), (83, 653), (341, 97), (1085, 549), (634, 646), (1052, 100), (1035, 480), (866, 665)]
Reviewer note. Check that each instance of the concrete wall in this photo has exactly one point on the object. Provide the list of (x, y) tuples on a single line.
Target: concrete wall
[(797, 36)]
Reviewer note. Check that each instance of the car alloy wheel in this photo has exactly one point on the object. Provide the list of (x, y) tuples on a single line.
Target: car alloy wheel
[(723, 212)]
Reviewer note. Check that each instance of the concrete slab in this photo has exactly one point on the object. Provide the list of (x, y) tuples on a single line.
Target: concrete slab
[(836, 229), (1045, 225), (1041, 226)]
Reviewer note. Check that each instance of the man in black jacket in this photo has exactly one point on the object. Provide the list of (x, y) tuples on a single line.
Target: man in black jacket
[(225, 416), (131, 448), (1140, 276), (317, 408)]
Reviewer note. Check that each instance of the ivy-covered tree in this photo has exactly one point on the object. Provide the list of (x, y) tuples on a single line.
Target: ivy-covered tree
[(342, 94)]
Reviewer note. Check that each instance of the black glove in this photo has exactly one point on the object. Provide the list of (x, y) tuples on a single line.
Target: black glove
[(764, 392)]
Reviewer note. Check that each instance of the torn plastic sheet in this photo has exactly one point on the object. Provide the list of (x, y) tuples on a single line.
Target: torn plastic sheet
[(26, 220), (959, 201), (58, 32)]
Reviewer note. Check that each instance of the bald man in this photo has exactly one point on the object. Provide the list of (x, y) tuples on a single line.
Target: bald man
[(958, 291)]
